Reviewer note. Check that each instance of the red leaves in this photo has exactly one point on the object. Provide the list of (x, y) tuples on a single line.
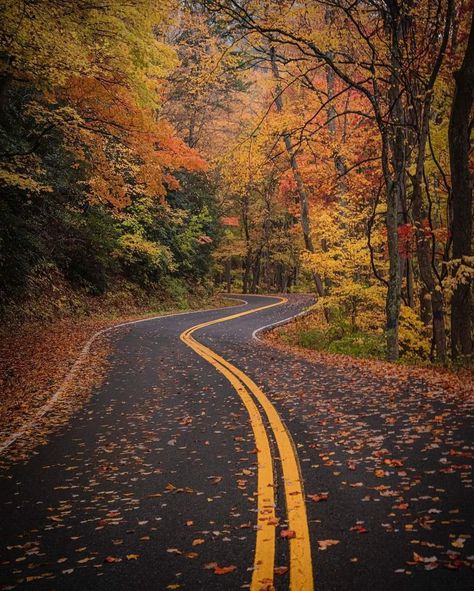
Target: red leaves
[(360, 529), (406, 235), (319, 498), (280, 570), (287, 533)]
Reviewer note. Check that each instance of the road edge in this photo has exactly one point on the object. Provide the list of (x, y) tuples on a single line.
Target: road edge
[(72, 373)]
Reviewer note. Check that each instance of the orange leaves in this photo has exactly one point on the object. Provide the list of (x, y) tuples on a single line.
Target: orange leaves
[(318, 498), (220, 570), (401, 506), (224, 570), (393, 463), (230, 221), (131, 151)]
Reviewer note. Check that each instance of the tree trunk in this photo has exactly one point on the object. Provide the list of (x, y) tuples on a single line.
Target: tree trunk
[(248, 247), (392, 303), (246, 277), (256, 272), (228, 276), (423, 248), (461, 187), (432, 304), (302, 195), (393, 164)]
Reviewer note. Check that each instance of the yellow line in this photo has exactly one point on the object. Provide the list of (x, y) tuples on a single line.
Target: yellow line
[(265, 542), (301, 571)]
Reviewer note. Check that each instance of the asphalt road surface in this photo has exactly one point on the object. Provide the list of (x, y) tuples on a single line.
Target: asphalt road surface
[(209, 461)]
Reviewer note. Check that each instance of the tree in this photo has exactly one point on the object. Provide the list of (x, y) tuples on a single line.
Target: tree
[(460, 126)]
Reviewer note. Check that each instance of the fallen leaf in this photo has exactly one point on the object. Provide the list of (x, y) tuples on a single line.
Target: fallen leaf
[(224, 570), (360, 529), (287, 533), (318, 498), (324, 544)]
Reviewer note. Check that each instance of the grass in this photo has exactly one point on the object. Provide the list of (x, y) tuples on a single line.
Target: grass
[(355, 343)]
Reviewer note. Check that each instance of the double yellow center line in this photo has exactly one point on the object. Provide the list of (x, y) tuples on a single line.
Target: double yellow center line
[(301, 570)]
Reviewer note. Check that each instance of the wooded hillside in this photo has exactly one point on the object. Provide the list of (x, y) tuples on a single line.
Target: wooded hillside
[(258, 146)]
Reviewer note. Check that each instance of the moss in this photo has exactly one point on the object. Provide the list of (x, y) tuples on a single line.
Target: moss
[(357, 344)]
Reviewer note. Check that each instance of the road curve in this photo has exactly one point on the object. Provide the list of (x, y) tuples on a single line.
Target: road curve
[(209, 461), (169, 468)]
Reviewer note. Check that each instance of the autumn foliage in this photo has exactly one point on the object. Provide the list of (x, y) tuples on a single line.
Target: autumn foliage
[(267, 146)]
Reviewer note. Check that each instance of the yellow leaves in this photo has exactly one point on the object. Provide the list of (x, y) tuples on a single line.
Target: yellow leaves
[(134, 248), (413, 335), (12, 178), (102, 95)]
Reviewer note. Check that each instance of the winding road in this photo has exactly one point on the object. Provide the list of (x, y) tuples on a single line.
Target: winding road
[(208, 460)]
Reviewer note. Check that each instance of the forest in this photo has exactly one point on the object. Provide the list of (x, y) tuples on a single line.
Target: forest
[(165, 148)]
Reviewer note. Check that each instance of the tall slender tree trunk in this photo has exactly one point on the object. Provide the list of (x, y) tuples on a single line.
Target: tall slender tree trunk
[(431, 300), (393, 164), (461, 187), (256, 268), (423, 249), (392, 302), (228, 273), (302, 195), (339, 162), (248, 247)]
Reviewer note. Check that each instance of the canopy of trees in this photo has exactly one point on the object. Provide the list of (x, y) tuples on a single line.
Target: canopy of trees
[(271, 146)]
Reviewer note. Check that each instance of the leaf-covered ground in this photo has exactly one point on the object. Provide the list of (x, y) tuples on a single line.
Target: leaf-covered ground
[(36, 357)]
